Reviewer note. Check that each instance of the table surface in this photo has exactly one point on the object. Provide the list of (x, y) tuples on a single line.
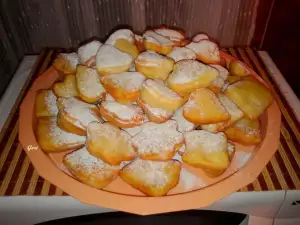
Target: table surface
[(18, 177)]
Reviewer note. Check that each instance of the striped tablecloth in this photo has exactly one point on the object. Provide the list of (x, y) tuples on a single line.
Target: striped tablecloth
[(18, 177)]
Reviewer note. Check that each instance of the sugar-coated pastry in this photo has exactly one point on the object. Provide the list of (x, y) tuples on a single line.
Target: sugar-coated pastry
[(75, 115), (124, 87), (67, 88), (223, 72), (109, 143), (203, 107), (153, 65), (124, 40), (45, 103), (180, 53), (89, 84), (199, 37), (125, 34), (158, 141), (89, 169), (157, 115), (238, 68), (51, 138), (245, 132), (250, 96), (153, 178), (183, 124), (157, 95), (207, 151), (176, 36), (188, 75), (139, 42), (87, 53), (218, 84), (110, 60), (206, 51), (157, 43), (122, 115), (235, 115), (66, 62)]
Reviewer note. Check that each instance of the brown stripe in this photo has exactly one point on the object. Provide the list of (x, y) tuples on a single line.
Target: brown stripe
[(8, 159), (8, 132), (288, 165), (52, 190), (241, 52), (21, 177), (283, 170), (8, 145), (256, 185), (250, 187), (262, 182), (32, 184), (27, 178), (268, 180), (273, 176), (16, 175), (38, 187), (290, 155), (279, 174), (275, 94), (282, 97), (36, 69), (10, 171)]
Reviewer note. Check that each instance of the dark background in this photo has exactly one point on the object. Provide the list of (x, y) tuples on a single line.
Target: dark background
[(27, 26)]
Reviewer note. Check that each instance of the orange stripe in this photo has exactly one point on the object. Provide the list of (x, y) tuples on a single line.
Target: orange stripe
[(278, 100)]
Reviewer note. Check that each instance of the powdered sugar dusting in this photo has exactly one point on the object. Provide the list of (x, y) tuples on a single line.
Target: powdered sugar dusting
[(180, 53), (187, 71), (72, 58), (88, 50), (158, 112), (174, 35), (156, 38), (120, 34), (183, 124), (82, 112), (150, 57), (161, 89), (200, 37), (150, 172), (222, 71), (157, 138), (242, 158), (189, 181), (125, 112), (50, 101), (109, 56), (129, 81), (88, 163), (208, 142), (61, 137), (205, 47), (89, 83)]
